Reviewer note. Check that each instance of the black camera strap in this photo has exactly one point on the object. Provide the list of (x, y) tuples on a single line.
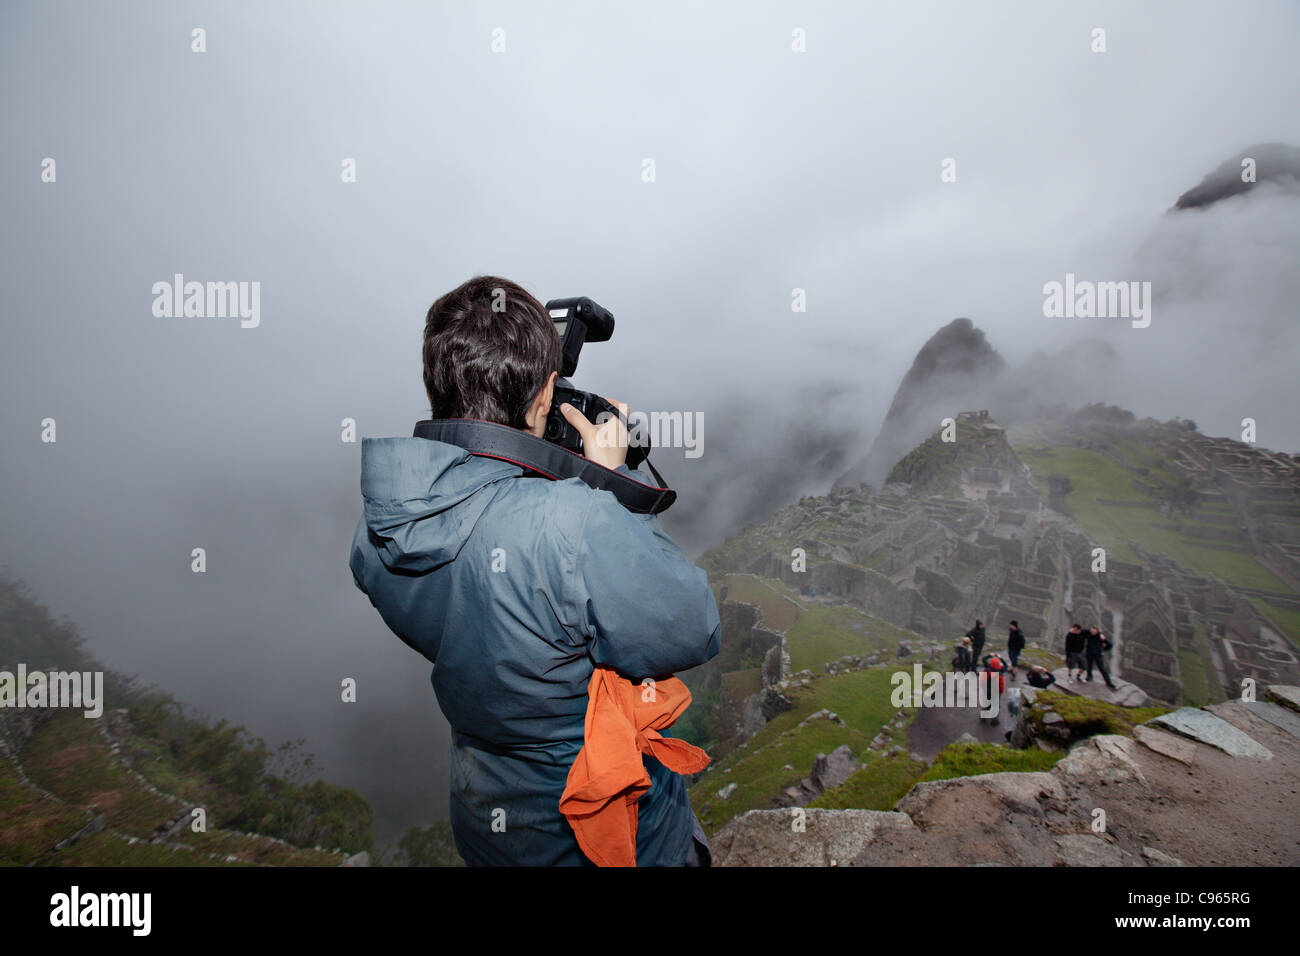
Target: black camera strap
[(490, 440)]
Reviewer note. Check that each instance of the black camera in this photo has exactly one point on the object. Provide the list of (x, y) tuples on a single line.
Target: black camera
[(579, 320)]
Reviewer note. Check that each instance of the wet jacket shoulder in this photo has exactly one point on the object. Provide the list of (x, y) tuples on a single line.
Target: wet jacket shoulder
[(611, 577), (516, 588)]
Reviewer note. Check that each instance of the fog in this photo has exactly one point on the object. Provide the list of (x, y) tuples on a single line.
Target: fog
[(774, 171)]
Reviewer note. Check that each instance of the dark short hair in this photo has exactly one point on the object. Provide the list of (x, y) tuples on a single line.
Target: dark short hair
[(484, 362)]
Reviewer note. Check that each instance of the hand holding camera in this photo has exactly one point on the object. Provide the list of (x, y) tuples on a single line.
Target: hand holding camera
[(605, 443), (578, 321)]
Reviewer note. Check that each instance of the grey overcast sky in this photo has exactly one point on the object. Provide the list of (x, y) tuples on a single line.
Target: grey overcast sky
[(775, 170)]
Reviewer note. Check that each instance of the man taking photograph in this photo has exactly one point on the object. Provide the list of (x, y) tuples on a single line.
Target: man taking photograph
[(518, 587)]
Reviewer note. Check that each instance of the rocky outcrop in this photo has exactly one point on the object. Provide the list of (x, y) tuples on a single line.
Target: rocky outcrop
[(1205, 727), (1107, 758), (799, 837), (1038, 723), (1154, 799), (759, 708), (831, 770), (828, 770)]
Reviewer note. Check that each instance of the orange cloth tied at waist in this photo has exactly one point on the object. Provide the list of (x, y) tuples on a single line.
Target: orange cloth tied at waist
[(608, 777)]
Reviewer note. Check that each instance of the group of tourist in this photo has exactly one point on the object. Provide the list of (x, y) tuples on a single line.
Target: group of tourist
[(971, 649), (1084, 651)]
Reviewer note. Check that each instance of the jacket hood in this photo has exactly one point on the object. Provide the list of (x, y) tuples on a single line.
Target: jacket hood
[(422, 498)]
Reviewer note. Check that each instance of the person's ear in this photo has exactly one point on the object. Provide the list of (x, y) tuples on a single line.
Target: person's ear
[(542, 404)]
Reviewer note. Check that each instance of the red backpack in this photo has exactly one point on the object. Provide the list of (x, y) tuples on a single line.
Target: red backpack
[(995, 667)]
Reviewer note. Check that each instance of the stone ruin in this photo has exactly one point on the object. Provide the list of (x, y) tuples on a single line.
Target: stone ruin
[(933, 564)]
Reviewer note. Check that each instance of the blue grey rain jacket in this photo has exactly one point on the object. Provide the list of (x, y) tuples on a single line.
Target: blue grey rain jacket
[(516, 588)]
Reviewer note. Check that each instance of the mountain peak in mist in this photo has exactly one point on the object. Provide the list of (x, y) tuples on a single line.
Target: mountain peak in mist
[(952, 372), (960, 346), (1274, 163)]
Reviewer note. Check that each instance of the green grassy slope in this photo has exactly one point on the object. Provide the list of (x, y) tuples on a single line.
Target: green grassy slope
[(828, 633), (860, 698), (262, 807), (1093, 475)]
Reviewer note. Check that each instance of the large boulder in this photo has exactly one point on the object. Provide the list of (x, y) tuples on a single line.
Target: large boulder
[(758, 709), (1105, 757), (831, 770), (1205, 727), (1166, 744)]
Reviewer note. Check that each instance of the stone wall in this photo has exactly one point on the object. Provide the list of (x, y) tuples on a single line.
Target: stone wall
[(938, 589), (743, 630), (1149, 644), (875, 594), (982, 594), (1012, 550), (1014, 502)]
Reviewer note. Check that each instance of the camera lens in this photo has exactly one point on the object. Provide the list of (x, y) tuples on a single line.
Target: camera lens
[(554, 427)]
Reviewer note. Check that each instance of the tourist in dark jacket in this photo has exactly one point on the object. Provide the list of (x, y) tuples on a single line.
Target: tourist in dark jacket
[(1015, 644), (517, 587), (962, 660), (1096, 644), (1040, 677), (1074, 657), (977, 638)]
